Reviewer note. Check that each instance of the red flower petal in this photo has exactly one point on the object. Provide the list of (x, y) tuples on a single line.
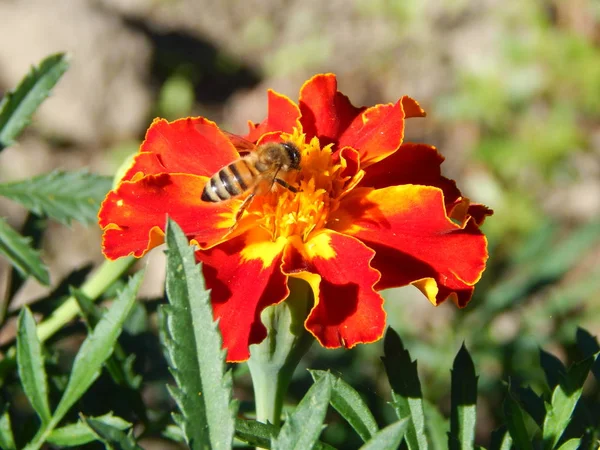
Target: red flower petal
[(193, 145), (413, 238), (134, 215), (326, 113), (283, 115), (375, 132), (245, 277), (411, 164), (347, 310)]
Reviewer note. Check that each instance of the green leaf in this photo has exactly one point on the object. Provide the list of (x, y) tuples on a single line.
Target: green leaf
[(501, 440), (463, 402), (94, 351), (532, 404), (563, 402), (112, 436), (30, 363), (437, 426), (255, 433), (21, 255), (260, 434), (173, 433), (32, 228), (79, 433), (553, 368), (119, 365), (64, 196), (588, 344), (571, 444), (350, 405), (17, 106), (516, 423), (389, 438), (194, 346), (407, 398), (97, 347), (302, 428), (7, 441)]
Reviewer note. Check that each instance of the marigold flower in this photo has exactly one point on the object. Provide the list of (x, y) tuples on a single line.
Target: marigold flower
[(371, 213)]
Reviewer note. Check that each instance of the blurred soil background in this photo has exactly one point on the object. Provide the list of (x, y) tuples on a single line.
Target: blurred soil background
[(512, 91)]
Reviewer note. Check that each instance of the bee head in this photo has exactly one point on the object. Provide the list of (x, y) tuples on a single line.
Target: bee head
[(293, 153)]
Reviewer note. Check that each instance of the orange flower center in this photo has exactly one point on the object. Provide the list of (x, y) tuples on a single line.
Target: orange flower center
[(284, 213)]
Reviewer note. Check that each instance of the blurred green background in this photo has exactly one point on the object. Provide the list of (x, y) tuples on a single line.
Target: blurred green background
[(512, 91)]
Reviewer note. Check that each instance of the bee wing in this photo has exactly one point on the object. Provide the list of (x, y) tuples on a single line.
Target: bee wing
[(242, 145)]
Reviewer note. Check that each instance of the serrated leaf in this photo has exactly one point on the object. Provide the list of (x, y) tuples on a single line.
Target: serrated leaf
[(94, 351), (407, 398), (563, 402), (194, 345), (64, 196), (7, 441), (255, 433), (30, 364), (348, 402), (533, 404), (119, 365), (259, 434), (302, 428), (516, 423), (388, 438), (588, 344), (463, 402), (437, 426), (33, 228), (553, 368), (79, 433), (571, 444), (501, 440), (98, 346), (112, 436), (21, 255), (17, 106)]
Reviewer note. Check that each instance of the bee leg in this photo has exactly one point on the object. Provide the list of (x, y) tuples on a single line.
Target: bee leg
[(243, 207), (286, 185)]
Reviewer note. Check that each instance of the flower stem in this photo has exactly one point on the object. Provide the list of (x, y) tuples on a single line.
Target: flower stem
[(101, 280), (273, 361)]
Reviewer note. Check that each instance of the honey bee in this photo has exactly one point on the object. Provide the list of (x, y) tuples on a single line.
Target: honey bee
[(255, 172)]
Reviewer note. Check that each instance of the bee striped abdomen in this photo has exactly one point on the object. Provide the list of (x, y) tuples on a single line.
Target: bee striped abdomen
[(230, 181)]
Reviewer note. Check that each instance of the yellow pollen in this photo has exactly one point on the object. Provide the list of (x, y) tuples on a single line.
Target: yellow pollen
[(284, 213), (120, 202)]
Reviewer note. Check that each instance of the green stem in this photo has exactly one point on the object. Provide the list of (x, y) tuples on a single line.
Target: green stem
[(100, 281), (273, 361)]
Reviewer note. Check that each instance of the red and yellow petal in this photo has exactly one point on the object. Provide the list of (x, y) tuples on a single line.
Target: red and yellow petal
[(193, 145), (283, 115), (378, 131), (326, 113), (414, 239), (375, 132), (411, 164), (347, 309), (134, 215), (244, 275)]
